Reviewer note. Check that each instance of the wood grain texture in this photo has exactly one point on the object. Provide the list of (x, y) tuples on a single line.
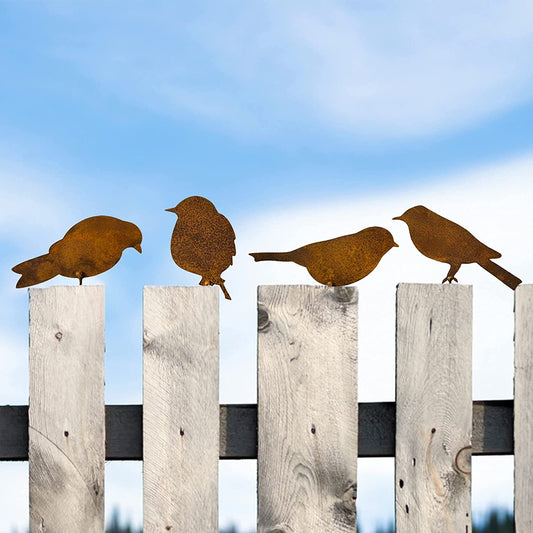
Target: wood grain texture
[(66, 409), (434, 408), (307, 409), (181, 410), (523, 408)]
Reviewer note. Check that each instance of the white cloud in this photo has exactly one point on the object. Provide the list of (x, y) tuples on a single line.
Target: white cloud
[(378, 70), (29, 206)]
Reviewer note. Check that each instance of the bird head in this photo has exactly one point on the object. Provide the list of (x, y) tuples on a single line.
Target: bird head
[(193, 205), (388, 240), (413, 213), (381, 238), (136, 239)]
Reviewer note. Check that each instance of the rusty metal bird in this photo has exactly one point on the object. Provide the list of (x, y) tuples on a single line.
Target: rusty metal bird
[(90, 247), (203, 241), (339, 261), (443, 240)]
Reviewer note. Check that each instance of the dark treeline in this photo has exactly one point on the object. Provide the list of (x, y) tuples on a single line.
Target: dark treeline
[(496, 521)]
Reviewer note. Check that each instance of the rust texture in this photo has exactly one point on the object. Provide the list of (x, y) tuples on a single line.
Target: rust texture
[(89, 248), (203, 241), (443, 240), (339, 261)]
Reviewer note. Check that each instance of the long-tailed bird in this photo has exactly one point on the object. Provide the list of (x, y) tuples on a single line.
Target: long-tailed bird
[(339, 261), (90, 247), (203, 241), (443, 240)]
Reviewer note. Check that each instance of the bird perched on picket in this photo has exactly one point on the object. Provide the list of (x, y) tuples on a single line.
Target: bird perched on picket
[(339, 261), (203, 241), (443, 240), (90, 247)]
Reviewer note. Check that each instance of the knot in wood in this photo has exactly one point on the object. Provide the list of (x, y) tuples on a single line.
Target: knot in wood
[(348, 498), (463, 460), (263, 320), (146, 339)]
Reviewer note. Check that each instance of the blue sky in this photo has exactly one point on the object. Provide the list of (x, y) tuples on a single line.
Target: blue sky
[(300, 121)]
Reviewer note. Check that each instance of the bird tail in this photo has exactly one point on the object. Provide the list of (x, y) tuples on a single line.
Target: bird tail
[(273, 256), (35, 271), (505, 277)]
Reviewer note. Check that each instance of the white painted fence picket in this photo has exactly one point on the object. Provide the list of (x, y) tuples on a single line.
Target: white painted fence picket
[(523, 408), (180, 409), (433, 408), (66, 409), (307, 409), (308, 418)]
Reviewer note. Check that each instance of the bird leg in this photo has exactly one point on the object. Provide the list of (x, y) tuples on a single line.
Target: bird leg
[(226, 293), (451, 273), (218, 281), (80, 276)]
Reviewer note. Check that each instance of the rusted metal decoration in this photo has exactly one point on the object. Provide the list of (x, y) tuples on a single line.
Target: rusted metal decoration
[(443, 240), (89, 248), (203, 241), (339, 261)]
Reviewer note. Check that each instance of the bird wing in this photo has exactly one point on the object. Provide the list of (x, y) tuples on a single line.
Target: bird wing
[(94, 225), (444, 240)]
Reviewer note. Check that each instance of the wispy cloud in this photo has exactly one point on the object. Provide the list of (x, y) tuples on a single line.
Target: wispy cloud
[(379, 70)]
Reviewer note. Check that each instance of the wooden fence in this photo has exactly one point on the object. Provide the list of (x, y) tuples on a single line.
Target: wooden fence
[(306, 431)]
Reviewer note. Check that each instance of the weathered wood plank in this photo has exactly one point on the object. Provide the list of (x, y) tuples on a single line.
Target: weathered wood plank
[(66, 409), (307, 408), (492, 432), (181, 410), (523, 408), (434, 408)]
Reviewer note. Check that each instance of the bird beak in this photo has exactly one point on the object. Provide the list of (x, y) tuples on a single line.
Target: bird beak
[(397, 218), (170, 210), (138, 248), (394, 244)]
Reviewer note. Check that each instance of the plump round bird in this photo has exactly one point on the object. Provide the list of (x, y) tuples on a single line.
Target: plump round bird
[(89, 248), (443, 240), (203, 241), (339, 261)]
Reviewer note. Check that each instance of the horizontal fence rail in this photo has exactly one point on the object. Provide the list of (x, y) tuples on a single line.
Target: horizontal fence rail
[(492, 430)]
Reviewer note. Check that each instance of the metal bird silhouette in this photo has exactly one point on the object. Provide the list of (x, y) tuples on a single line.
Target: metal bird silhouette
[(90, 247), (203, 241), (339, 261), (443, 240)]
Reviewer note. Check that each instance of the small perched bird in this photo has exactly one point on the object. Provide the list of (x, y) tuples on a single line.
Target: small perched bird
[(339, 261), (203, 241), (443, 240), (90, 247)]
